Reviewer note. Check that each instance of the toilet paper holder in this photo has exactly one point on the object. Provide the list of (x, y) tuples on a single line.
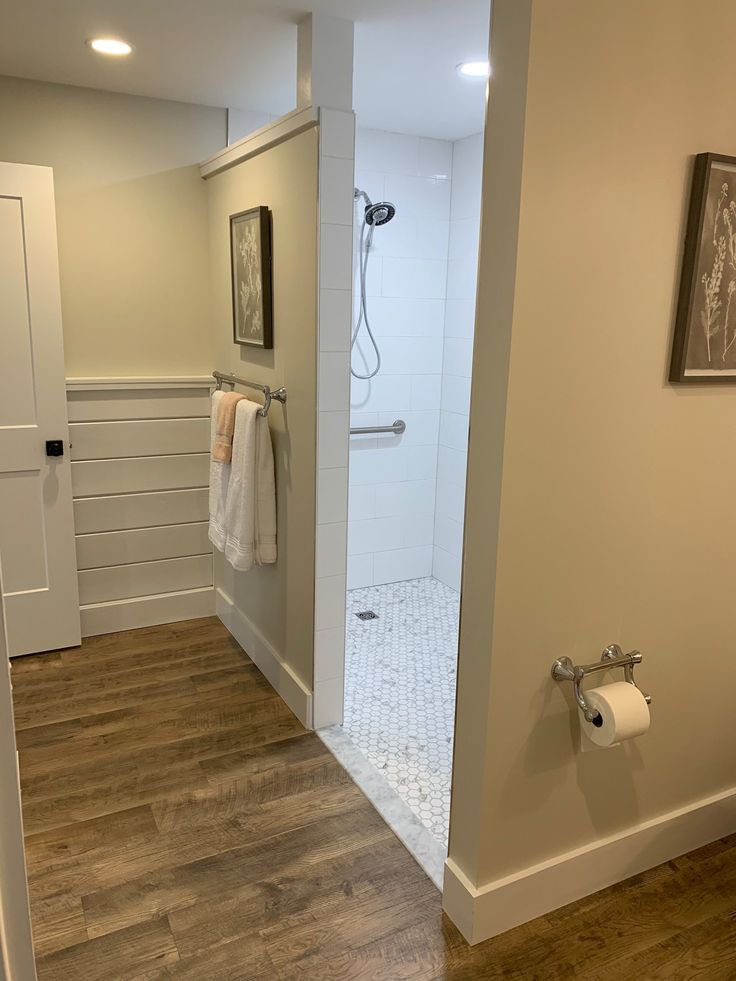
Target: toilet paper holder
[(563, 669)]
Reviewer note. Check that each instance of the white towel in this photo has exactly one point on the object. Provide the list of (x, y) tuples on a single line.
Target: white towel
[(219, 480), (243, 493), (265, 515)]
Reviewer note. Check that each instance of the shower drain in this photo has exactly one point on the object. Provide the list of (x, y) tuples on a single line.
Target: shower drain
[(367, 615)]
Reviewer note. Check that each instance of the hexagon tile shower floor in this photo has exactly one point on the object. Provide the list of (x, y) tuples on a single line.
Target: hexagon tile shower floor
[(400, 671)]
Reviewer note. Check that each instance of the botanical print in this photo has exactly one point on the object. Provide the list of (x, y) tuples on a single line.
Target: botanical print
[(248, 279), (711, 346)]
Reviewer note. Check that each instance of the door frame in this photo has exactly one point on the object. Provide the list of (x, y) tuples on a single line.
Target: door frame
[(42, 603), (17, 961)]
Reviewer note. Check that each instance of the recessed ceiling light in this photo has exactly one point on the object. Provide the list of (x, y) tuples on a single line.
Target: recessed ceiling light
[(474, 69), (110, 46)]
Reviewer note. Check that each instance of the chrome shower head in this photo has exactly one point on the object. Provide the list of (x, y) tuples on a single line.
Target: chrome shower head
[(375, 214), (379, 213)]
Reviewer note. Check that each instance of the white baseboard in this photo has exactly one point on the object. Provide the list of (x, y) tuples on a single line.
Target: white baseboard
[(485, 911), (146, 611), (267, 659)]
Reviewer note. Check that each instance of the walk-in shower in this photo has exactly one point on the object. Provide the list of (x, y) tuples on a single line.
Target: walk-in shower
[(373, 215), (412, 336)]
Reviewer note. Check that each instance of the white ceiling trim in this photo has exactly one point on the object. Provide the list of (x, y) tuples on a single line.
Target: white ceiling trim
[(263, 139)]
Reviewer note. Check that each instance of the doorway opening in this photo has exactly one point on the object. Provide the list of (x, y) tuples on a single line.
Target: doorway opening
[(416, 229)]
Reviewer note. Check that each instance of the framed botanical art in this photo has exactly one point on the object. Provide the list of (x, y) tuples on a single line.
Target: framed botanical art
[(250, 261), (704, 347)]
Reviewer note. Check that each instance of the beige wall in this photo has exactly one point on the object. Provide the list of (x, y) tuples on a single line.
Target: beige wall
[(132, 223), (615, 517), (278, 599)]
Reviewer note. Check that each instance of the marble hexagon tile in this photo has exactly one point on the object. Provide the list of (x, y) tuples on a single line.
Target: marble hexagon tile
[(400, 671)]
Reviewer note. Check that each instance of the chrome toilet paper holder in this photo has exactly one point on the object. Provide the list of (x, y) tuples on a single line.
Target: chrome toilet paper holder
[(563, 669)]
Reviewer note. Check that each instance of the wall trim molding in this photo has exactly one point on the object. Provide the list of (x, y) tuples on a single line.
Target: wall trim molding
[(152, 382), (147, 611), (485, 911), (262, 139), (266, 658)]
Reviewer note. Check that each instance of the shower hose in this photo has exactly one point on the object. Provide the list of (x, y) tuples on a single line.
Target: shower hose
[(363, 257)]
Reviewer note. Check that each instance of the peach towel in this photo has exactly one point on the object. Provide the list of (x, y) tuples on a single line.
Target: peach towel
[(222, 447)]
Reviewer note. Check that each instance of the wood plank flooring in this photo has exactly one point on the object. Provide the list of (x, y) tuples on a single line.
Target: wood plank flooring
[(180, 823)]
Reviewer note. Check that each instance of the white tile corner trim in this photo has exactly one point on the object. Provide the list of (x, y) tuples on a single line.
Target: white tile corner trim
[(140, 470), (336, 166), (337, 133), (266, 658), (481, 912), (421, 299)]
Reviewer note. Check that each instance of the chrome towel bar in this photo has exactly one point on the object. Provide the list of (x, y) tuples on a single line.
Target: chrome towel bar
[(397, 429), (612, 657), (269, 394)]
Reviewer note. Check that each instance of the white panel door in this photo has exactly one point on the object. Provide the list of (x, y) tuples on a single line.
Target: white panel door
[(36, 518)]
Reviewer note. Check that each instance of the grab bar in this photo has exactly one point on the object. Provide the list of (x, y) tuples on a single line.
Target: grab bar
[(397, 429)]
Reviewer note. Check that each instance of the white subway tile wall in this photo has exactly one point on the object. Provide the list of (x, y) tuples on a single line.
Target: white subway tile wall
[(407, 492), (462, 267), (393, 478)]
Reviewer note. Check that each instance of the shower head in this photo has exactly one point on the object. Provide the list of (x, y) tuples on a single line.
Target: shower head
[(379, 213), (376, 214)]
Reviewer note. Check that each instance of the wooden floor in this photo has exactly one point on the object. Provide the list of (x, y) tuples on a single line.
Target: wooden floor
[(181, 824)]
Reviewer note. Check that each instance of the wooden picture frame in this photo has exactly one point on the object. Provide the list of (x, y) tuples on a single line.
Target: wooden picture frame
[(704, 348), (250, 270)]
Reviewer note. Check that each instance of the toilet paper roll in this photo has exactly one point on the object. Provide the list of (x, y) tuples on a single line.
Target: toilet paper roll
[(624, 713)]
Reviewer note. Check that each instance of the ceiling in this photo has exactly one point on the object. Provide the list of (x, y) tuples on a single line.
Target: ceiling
[(242, 54)]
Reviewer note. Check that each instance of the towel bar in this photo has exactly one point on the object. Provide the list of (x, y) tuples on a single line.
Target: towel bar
[(269, 394)]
